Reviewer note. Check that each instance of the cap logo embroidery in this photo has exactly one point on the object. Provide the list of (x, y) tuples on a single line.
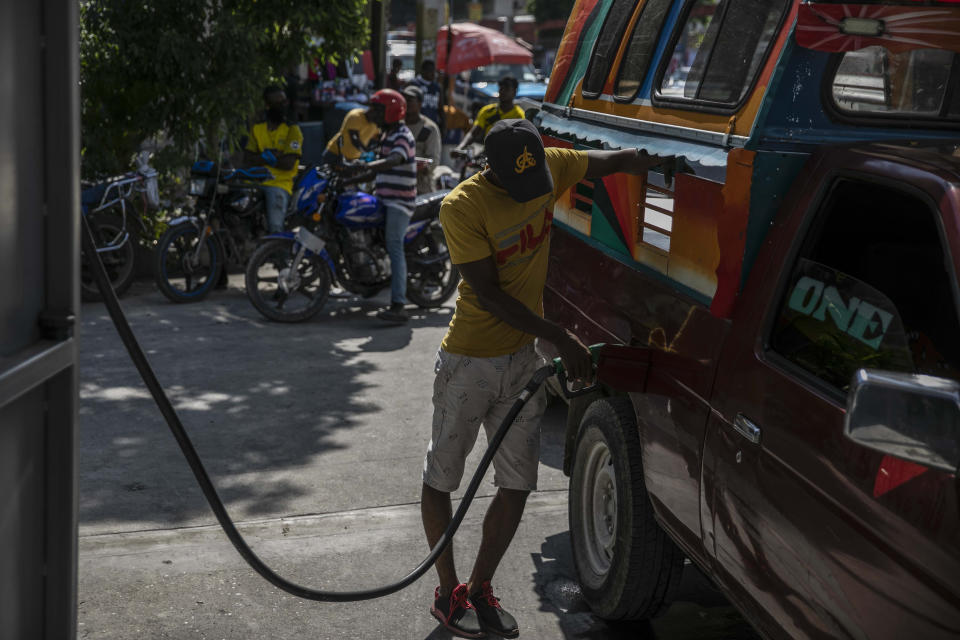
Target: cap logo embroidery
[(525, 161)]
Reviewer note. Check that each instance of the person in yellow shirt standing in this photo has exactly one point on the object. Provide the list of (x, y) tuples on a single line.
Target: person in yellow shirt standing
[(497, 226), (278, 144), (358, 134), (503, 109)]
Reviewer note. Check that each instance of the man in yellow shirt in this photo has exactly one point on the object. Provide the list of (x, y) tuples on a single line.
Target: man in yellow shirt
[(277, 143), (357, 134), (503, 109), (497, 226)]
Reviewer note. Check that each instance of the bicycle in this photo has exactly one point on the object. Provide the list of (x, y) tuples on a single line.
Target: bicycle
[(105, 204)]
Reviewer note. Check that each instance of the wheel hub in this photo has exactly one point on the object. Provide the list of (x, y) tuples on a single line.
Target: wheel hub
[(288, 279), (190, 263), (599, 515)]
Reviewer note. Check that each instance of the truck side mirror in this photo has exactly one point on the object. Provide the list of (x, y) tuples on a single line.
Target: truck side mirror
[(908, 416)]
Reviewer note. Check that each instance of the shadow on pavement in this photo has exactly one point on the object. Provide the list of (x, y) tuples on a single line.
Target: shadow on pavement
[(253, 395), (439, 633), (700, 612)]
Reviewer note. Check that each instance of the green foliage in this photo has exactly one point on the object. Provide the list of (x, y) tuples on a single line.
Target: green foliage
[(544, 10), (179, 71)]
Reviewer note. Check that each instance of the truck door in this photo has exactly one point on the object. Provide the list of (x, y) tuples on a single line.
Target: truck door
[(815, 534)]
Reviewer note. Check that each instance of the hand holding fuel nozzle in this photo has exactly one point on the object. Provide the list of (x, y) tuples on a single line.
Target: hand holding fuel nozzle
[(577, 363)]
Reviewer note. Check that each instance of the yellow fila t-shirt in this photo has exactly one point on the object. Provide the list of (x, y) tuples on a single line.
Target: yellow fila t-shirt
[(480, 221), (286, 138)]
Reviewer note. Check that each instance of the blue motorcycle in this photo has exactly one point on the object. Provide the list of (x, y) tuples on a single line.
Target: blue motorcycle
[(339, 240)]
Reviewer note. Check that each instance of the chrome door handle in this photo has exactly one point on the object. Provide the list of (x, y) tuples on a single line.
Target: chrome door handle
[(747, 428)]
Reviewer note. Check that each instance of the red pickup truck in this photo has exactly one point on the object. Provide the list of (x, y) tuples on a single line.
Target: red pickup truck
[(779, 401)]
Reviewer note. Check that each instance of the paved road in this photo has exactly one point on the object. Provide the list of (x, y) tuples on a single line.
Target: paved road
[(314, 435)]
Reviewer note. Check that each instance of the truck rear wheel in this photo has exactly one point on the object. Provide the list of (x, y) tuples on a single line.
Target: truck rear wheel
[(628, 567)]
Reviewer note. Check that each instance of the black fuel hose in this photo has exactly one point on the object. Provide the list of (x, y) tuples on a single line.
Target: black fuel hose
[(186, 446)]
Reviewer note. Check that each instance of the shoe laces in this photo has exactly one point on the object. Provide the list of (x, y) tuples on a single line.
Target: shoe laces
[(487, 594), (458, 598)]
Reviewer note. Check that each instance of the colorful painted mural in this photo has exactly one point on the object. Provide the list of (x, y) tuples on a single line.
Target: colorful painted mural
[(702, 232), (691, 232), (574, 50), (850, 27), (577, 49)]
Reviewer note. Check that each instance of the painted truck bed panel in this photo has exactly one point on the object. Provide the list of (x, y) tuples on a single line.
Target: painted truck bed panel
[(797, 120), (616, 303), (577, 46)]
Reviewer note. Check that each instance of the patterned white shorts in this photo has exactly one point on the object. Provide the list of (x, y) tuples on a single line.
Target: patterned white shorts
[(468, 392)]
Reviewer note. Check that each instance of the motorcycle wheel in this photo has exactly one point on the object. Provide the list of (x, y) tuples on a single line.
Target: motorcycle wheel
[(431, 277), (184, 273), (119, 263), (281, 290)]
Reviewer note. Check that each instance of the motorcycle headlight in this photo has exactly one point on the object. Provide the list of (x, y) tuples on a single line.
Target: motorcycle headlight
[(197, 186)]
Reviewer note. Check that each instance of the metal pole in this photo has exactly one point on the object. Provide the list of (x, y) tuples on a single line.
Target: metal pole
[(448, 77), (378, 42), (61, 184), (421, 17)]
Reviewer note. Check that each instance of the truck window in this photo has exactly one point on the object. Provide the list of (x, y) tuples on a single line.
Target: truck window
[(719, 50), (606, 47), (640, 49), (911, 85), (871, 288)]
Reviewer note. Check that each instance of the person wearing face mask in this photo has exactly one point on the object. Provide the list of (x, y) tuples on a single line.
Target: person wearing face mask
[(277, 143)]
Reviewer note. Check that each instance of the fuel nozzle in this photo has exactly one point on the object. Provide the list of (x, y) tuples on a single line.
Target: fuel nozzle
[(561, 373)]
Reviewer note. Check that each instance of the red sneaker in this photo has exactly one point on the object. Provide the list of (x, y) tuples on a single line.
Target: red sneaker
[(493, 618), (457, 615)]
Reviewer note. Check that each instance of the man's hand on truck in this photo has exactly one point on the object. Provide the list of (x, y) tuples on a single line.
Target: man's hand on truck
[(576, 357)]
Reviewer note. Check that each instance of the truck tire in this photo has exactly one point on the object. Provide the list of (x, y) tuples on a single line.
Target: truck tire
[(628, 567)]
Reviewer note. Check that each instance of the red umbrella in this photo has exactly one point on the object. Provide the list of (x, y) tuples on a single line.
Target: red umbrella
[(475, 46)]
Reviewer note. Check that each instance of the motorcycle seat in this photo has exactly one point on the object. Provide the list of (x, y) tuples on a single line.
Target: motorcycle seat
[(203, 167), (256, 174), (426, 204)]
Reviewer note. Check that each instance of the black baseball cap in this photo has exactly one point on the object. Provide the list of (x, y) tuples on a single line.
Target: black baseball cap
[(413, 91), (515, 153)]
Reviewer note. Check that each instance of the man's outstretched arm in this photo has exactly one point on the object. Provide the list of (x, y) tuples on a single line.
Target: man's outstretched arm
[(632, 161), (475, 133), (384, 163)]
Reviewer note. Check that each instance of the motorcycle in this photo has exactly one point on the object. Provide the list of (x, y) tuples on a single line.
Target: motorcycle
[(340, 241), (469, 161), (197, 251), (105, 207)]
